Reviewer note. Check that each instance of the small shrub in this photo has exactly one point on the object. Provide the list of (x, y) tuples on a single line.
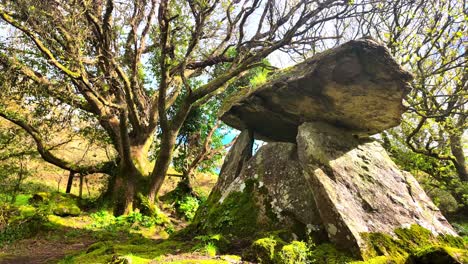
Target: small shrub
[(210, 249), (209, 244), (187, 207)]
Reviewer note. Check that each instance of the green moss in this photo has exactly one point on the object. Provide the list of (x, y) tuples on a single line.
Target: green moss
[(439, 255), (382, 244), (409, 243), (198, 261), (296, 252), (452, 241), (263, 250), (144, 251), (237, 215), (66, 209), (328, 254), (382, 260), (39, 197), (22, 199), (415, 237), (274, 250)]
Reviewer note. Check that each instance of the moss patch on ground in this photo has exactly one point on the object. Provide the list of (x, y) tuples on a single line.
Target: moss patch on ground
[(138, 251), (413, 244)]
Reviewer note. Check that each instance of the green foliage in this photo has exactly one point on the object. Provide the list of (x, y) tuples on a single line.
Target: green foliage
[(188, 206), (461, 226), (210, 249), (259, 77), (14, 159), (202, 119), (20, 220), (135, 220), (19, 229), (181, 198), (438, 177), (210, 244)]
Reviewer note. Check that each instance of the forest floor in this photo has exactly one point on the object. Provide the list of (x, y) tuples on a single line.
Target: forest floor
[(66, 237), (94, 235)]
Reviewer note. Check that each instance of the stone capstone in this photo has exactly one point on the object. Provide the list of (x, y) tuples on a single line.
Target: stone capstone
[(358, 189), (358, 86)]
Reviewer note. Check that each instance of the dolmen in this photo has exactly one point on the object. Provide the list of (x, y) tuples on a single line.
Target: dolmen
[(320, 174)]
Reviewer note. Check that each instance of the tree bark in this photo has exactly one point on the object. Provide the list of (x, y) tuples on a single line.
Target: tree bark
[(70, 181), (131, 177), (457, 151), (81, 186), (162, 164)]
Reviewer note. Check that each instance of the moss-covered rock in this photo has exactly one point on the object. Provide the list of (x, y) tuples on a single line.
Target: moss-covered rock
[(266, 193), (264, 250), (64, 209), (328, 254), (39, 197), (295, 253), (359, 189), (439, 255), (64, 205), (407, 241), (413, 245), (56, 203)]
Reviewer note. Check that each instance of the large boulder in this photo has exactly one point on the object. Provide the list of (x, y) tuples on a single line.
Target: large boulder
[(358, 189), (358, 86), (269, 193)]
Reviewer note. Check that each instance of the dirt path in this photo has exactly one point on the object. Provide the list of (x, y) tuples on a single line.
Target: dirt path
[(38, 251), (49, 246)]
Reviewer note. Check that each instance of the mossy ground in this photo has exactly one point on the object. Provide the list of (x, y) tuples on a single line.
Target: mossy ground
[(99, 237), (411, 244)]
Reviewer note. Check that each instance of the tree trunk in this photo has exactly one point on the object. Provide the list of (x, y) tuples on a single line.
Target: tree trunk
[(131, 178), (162, 164), (124, 190), (18, 183), (81, 186), (457, 151), (70, 181)]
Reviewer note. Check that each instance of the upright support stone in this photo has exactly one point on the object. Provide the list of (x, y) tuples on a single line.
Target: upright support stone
[(359, 189), (269, 194), (235, 160)]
